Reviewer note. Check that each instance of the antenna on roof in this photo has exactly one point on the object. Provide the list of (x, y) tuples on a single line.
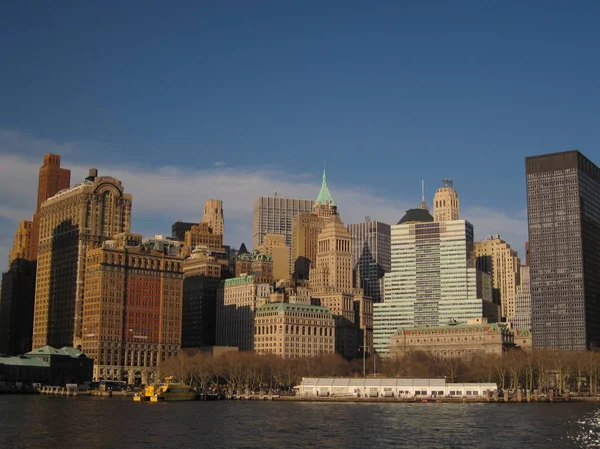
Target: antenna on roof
[(423, 190)]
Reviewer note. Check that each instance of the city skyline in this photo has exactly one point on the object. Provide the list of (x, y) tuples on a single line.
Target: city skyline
[(155, 207)]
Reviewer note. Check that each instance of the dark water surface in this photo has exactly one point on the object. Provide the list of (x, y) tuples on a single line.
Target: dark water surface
[(99, 423)]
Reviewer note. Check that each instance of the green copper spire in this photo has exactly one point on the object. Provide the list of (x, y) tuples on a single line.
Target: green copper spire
[(325, 195)]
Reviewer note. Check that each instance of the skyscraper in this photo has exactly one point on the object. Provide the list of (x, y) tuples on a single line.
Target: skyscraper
[(332, 285), (22, 245), (131, 308), (306, 229), (496, 257), (51, 180), (71, 222), (433, 279), (371, 246), (213, 215), (274, 215), (522, 318), (446, 206), (563, 208)]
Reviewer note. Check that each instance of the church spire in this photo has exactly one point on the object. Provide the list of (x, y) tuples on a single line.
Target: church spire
[(423, 204)]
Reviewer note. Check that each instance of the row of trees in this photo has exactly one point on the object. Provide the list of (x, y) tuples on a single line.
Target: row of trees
[(246, 371)]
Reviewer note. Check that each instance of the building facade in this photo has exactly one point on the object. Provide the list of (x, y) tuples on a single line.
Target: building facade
[(213, 216), (17, 297), (132, 309), (522, 318), (446, 205), (464, 341), (179, 228), (51, 180), (274, 246), (72, 222), (331, 284), (237, 299), (293, 330), (202, 234), (275, 215), (433, 279), (201, 280), (496, 257), (371, 252), (563, 209), (22, 247)]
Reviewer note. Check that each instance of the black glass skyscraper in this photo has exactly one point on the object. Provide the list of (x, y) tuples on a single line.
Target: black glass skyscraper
[(563, 205)]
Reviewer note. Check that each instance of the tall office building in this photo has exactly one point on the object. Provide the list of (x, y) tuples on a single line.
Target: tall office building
[(331, 283), (522, 318), (446, 206), (237, 299), (433, 279), (496, 257), (17, 297), (18, 283), (563, 208), (213, 215), (306, 229), (201, 281), (22, 245), (371, 246), (274, 215), (51, 180), (72, 222), (131, 308)]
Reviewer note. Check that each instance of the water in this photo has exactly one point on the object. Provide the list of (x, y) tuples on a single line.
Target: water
[(107, 423)]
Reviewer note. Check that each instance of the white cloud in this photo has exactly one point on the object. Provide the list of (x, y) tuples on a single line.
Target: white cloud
[(219, 164), (162, 195)]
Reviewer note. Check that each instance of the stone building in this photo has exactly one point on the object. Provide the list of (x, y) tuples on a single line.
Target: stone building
[(22, 243), (332, 285), (306, 229), (51, 180), (254, 263), (293, 330), (464, 341), (446, 205), (132, 308), (213, 216), (179, 228), (237, 299), (496, 257), (72, 222), (274, 246), (202, 235)]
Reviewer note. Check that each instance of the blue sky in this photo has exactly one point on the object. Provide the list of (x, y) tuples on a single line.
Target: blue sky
[(384, 93)]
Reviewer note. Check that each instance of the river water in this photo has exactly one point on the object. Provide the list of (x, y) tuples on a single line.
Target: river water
[(106, 423)]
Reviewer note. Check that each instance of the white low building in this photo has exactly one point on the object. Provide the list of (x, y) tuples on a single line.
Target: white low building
[(390, 387)]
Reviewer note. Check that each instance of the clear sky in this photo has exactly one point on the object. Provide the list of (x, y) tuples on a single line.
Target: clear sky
[(233, 99)]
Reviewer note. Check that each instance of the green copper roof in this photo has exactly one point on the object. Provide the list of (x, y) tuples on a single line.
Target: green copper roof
[(325, 195)]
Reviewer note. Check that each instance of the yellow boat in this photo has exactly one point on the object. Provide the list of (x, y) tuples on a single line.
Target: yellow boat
[(171, 390)]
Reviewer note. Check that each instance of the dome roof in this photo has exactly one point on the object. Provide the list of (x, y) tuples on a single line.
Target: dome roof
[(416, 215)]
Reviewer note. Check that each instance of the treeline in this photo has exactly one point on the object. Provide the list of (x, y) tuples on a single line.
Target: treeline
[(246, 371)]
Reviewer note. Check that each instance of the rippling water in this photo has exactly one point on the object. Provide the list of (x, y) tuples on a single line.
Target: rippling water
[(106, 423)]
